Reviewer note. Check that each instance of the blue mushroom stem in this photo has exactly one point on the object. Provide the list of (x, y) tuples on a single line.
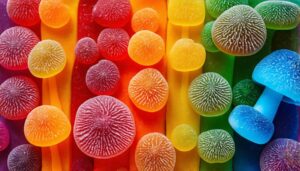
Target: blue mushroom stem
[(268, 103)]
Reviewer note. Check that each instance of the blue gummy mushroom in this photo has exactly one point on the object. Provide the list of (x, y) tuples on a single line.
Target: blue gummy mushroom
[(279, 72)]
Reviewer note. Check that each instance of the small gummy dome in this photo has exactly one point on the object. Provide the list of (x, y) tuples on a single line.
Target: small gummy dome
[(46, 126), (18, 96), (184, 137), (104, 127), (103, 78), (145, 19), (4, 136), (186, 55), (239, 31), (25, 157), (23, 12), (210, 94), (281, 154), (217, 7), (155, 152), (86, 51), (251, 124), (15, 46), (279, 15), (186, 12), (148, 90), (47, 59), (146, 48), (206, 38), (54, 13), (216, 146), (280, 71), (112, 13), (246, 92)]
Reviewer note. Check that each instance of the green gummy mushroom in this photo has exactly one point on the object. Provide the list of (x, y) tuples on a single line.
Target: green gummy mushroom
[(215, 146), (206, 38), (246, 92), (217, 7), (210, 95), (279, 15)]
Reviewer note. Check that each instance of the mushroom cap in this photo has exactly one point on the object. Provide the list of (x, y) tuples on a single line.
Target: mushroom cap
[(46, 126), (251, 124), (280, 71), (290, 101)]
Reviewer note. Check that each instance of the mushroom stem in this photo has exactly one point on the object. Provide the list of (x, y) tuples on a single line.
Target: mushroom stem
[(268, 103)]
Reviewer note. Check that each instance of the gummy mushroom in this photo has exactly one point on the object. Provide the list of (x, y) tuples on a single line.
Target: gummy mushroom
[(279, 72)]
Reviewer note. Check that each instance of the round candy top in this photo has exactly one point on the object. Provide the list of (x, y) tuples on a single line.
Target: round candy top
[(246, 92), (280, 71), (216, 146), (279, 15), (239, 31), (206, 38), (210, 94), (145, 19), (184, 137), (281, 154), (47, 59), (216, 7)]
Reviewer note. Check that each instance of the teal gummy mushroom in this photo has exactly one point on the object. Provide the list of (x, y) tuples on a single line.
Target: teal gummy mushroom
[(279, 72), (279, 15)]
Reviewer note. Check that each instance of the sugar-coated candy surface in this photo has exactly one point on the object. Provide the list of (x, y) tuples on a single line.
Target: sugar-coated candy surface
[(184, 137), (18, 96), (186, 55), (54, 13), (154, 151), (210, 94), (206, 38), (148, 90), (4, 136), (216, 146), (280, 71), (279, 15), (104, 127), (145, 19), (146, 48), (112, 13), (186, 12), (113, 43), (23, 12), (47, 59), (246, 92), (281, 154), (216, 7), (239, 31), (103, 78), (46, 126), (15, 46), (25, 157), (251, 124), (86, 51)]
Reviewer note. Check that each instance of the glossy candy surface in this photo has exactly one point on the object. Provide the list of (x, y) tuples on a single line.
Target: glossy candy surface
[(184, 137), (4, 136), (25, 157), (86, 51), (46, 126), (239, 31), (104, 127), (216, 146), (146, 48), (246, 92), (154, 151), (18, 96), (103, 78), (148, 90), (216, 7), (15, 46), (145, 19), (47, 59), (210, 94), (206, 38), (23, 12)]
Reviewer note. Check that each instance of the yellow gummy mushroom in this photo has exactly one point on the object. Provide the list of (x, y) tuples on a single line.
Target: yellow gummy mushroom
[(46, 59), (186, 12), (54, 13), (186, 55), (184, 137)]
